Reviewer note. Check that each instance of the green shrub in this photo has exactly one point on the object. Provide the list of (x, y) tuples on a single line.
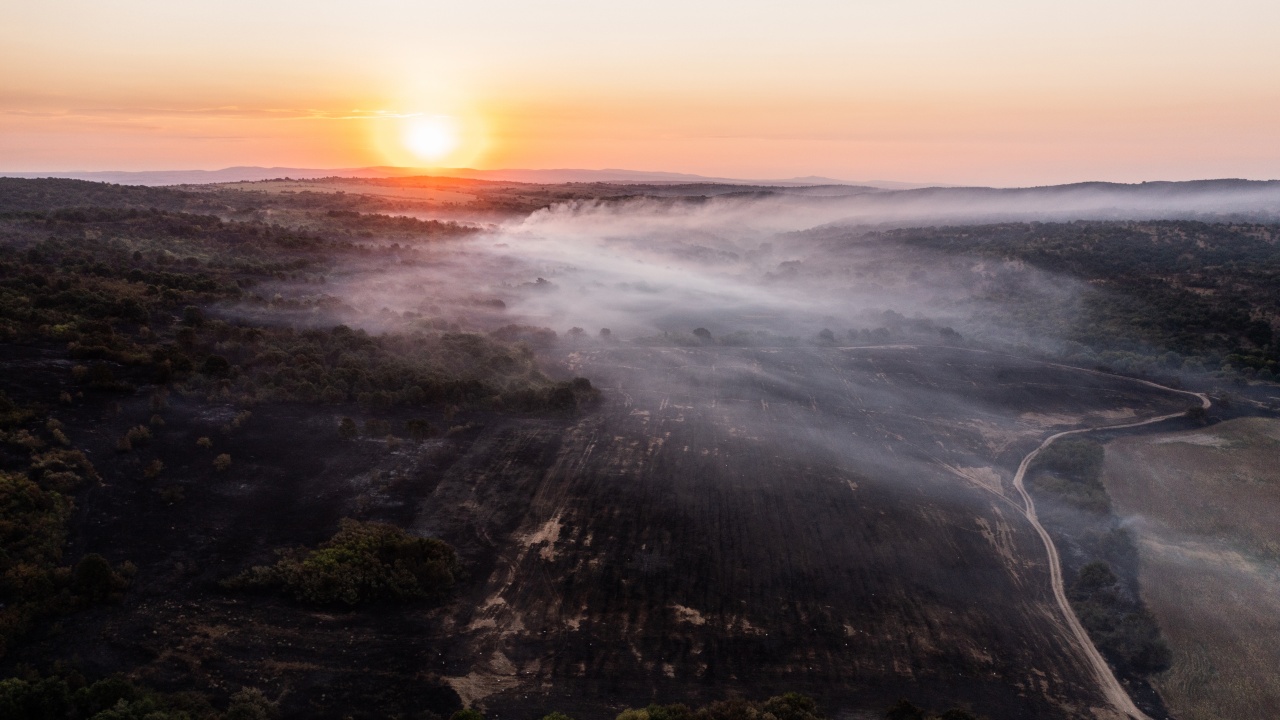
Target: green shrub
[(363, 562), (347, 429), (1071, 469), (1124, 631), (113, 698), (94, 579), (904, 710), (250, 704), (791, 706)]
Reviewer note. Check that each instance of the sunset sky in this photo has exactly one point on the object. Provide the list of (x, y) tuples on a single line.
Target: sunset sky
[(981, 92)]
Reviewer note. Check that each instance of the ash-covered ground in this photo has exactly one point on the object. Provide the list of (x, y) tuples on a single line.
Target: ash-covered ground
[(834, 521), (787, 461)]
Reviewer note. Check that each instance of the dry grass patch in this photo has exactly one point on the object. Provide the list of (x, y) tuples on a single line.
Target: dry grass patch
[(1205, 504)]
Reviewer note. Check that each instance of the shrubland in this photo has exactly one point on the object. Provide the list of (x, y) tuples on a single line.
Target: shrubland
[(1069, 472), (68, 696), (132, 296), (123, 291), (37, 497), (363, 562), (1160, 295)]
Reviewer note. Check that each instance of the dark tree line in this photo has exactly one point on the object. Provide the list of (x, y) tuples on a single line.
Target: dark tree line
[(1207, 292)]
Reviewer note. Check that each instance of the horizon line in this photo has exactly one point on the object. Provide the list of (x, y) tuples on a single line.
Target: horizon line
[(635, 176)]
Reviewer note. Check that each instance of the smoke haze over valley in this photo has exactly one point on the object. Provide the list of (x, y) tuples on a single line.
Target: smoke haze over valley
[(687, 361)]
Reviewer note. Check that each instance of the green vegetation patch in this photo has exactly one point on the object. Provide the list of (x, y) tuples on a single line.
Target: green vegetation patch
[(1071, 469), (1124, 631), (791, 706), (129, 293), (34, 509), (363, 562), (1119, 624), (906, 710), (1207, 292), (71, 698)]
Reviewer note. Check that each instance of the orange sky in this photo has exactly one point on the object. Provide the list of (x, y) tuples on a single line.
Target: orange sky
[(990, 91)]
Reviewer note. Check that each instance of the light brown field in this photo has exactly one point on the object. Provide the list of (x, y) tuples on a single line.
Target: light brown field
[(1205, 505)]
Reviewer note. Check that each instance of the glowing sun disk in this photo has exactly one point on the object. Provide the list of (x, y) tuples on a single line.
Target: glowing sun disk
[(431, 138)]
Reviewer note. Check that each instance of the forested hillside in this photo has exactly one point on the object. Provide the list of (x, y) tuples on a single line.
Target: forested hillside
[(1208, 293)]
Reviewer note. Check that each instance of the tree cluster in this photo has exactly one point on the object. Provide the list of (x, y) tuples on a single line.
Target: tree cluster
[(1208, 293), (1107, 605), (69, 697), (35, 507), (128, 293), (363, 562)]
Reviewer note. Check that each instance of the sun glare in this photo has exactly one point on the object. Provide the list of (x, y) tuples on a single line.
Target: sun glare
[(432, 138), (428, 140)]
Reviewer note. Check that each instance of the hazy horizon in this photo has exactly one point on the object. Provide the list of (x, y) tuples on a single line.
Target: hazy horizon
[(727, 360), (992, 93), (622, 176)]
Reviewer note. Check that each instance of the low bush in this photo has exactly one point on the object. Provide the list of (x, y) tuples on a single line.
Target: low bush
[(363, 562), (33, 697), (1071, 469), (791, 706), (1124, 631)]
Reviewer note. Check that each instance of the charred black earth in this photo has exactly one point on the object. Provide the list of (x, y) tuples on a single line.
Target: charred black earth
[(833, 521), (678, 446)]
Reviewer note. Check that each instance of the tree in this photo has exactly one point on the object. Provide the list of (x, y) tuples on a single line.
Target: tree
[(1094, 577), (362, 562), (793, 706), (250, 704), (192, 316), (94, 579), (222, 462), (347, 429), (904, 710), (702, 334), (216, 366), (419, 430)]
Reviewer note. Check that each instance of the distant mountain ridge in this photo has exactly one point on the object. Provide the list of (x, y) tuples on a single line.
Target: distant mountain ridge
[(829, 203), (564, 175)]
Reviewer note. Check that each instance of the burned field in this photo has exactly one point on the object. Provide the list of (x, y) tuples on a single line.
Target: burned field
[(832, 521), (825, 521), (277, 439)]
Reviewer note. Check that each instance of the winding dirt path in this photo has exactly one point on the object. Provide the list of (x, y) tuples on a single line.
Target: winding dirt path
[(1111, 687), (1113, 691)]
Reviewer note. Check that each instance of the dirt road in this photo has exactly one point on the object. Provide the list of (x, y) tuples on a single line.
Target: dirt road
[(1111, 687)]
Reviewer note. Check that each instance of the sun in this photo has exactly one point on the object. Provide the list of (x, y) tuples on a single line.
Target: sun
[(432, 138)]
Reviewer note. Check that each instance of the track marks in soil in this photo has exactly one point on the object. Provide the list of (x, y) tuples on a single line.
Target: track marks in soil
[(834, 518)]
